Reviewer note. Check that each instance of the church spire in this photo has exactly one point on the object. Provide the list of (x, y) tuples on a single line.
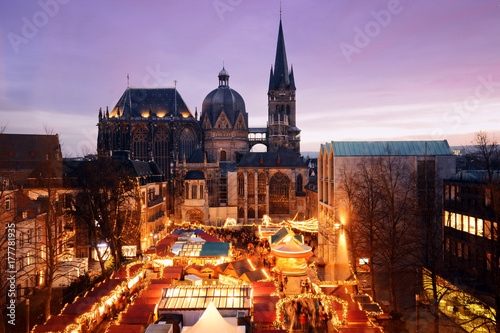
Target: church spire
[(281, 75)]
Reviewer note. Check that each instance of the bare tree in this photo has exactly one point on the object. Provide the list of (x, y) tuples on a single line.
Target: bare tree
[(364, 198), (108, 203)]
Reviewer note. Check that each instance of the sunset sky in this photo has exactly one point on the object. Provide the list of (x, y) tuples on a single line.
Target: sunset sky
[(364, 70)]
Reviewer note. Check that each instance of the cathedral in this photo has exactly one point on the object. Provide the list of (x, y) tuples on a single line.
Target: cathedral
[(211, 171)]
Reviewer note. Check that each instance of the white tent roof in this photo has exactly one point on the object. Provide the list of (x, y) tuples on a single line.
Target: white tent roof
[(211, 320)]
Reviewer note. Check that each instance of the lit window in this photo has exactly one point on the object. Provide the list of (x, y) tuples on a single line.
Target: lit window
[(453, 220), (466, 224), (480, 227), (472, 225)]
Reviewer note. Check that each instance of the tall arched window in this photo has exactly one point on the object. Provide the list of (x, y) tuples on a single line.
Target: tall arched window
[(140, 144), (299, 183), (251, 185), (251, 213), (279, 190), (160, 149), (261, 187), (187, 143), (223, 156), (241, 185)]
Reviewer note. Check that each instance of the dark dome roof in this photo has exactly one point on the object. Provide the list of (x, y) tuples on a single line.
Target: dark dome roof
[(224, 99)]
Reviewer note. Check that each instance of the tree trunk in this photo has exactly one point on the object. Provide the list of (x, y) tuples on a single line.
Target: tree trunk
[(372, 279), (392, 287), (48, 299)]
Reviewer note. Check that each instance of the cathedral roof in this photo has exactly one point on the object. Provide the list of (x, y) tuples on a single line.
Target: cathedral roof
[(283, 158), (224, 99), (194, 175), (137, 102)]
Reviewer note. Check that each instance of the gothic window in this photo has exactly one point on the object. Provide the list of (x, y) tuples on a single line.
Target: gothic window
[(261, 212), (140, 144), (241, 185), (160, 149), (187, 143), (223, 156), (251, 213), (262, 187), (279, 189), (299, 183), (288, 110), (187, 191), (241, 213), (194, 192), (251, 184), (201, 191)]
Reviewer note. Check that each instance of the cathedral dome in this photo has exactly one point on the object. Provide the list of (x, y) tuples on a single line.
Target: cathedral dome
[(224, 99)]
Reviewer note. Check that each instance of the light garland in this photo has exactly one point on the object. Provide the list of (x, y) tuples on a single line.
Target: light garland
[(327, 303)]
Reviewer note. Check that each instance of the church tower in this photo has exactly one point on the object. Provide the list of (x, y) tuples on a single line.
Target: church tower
[(282, 130)]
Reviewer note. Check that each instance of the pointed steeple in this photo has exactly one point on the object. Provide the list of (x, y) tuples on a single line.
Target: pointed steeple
[(281, 75), (271, 79), (292, 79)]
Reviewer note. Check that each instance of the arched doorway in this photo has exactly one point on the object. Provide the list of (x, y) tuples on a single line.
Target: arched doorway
[(195, 215)]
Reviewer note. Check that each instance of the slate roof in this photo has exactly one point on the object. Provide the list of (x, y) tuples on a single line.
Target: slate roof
[(287, 159), (254, 276), (194, 174), (280, 77), (241, 266), (163, 102), (475, 175), (224, 99), (216, 249), (282, 233), (387, 148)]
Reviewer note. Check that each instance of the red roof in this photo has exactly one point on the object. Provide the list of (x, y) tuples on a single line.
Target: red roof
[(147, 300), (209, 238), (159, 281), (152, 292), (77, 308), (62, 320), (264, 316), (354, 316), (49, 328), (126, 329), (87, 300), (141, 318), (263, 288), (138, 307), (359, 330)]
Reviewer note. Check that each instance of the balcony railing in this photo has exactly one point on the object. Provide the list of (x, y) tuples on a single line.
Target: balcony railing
[(155, 201)]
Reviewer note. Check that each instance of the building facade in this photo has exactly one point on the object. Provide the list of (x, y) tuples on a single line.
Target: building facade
[(205, 160), (471, 233), (337, 159)]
